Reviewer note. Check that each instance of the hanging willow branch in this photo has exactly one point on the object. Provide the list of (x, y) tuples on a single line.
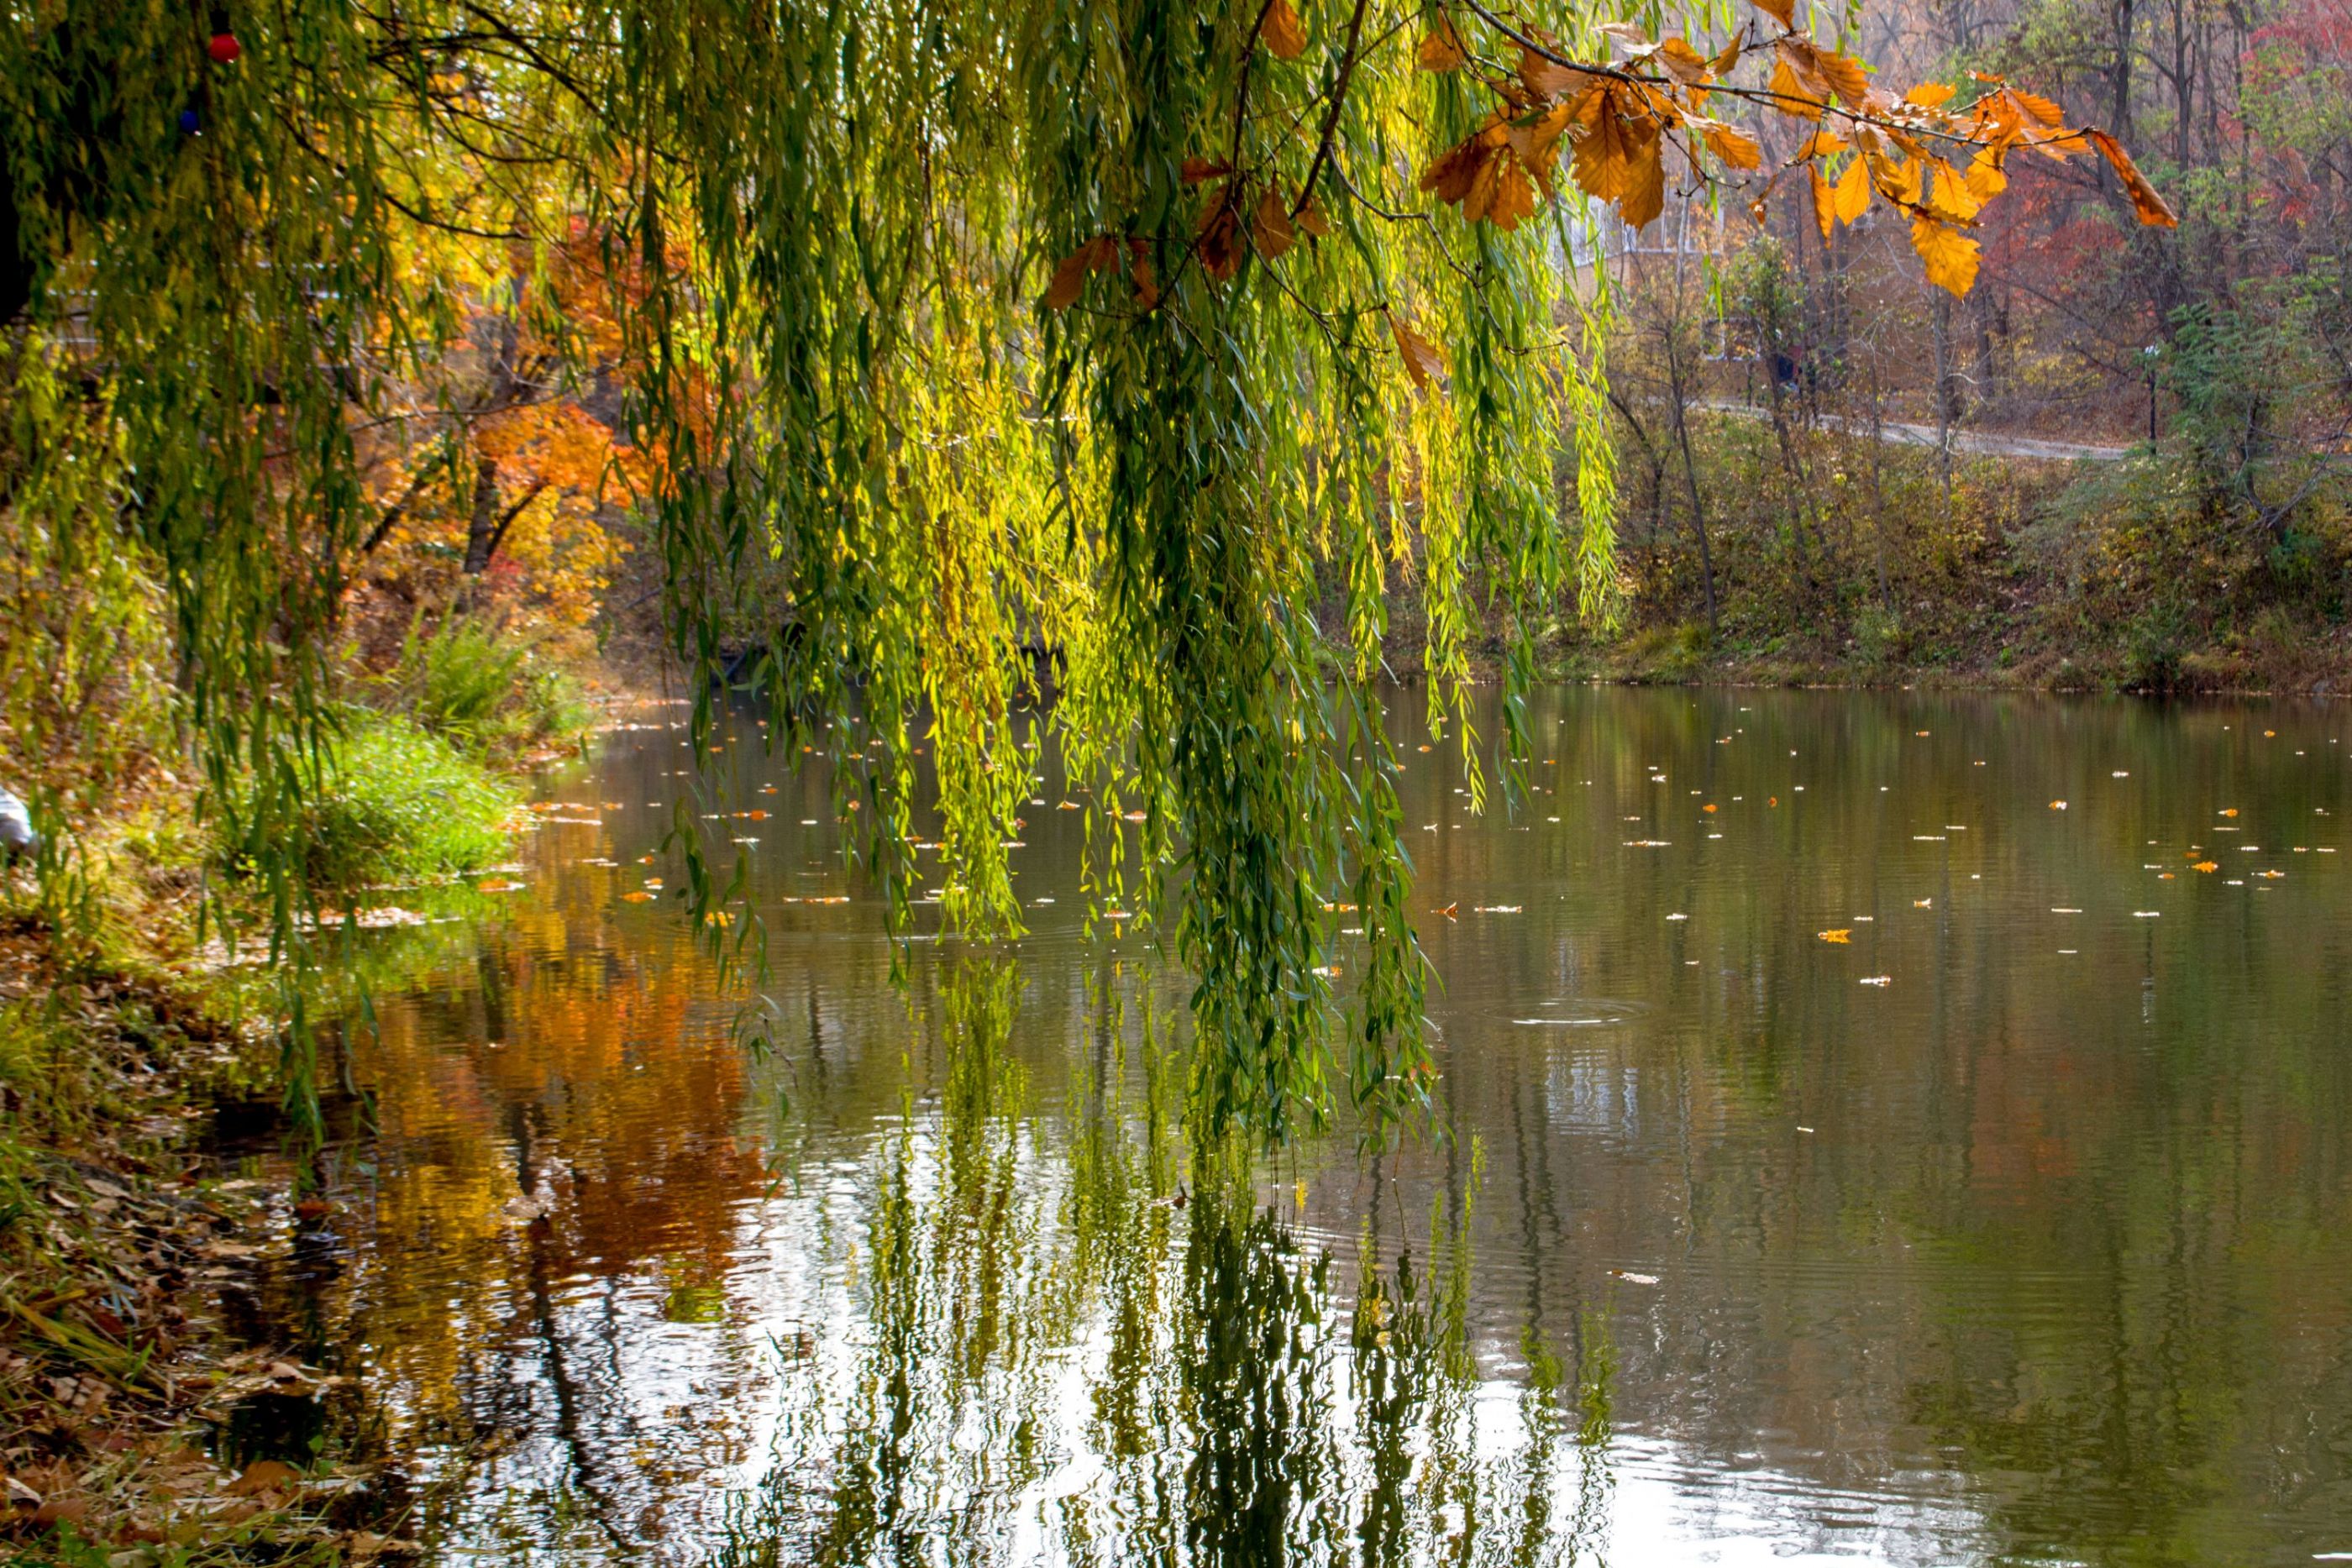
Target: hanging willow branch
[(951, 331)]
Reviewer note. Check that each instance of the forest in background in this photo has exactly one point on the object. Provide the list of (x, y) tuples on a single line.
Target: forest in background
[(1798, 537)]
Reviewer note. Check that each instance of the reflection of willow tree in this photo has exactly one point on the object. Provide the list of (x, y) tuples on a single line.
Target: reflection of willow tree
[(1237, 1407)]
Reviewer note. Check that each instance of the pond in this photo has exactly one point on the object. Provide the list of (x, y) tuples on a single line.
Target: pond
[(1902, 1127)]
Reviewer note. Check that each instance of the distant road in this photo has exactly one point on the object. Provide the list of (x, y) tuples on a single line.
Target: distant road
[(1975, 443)]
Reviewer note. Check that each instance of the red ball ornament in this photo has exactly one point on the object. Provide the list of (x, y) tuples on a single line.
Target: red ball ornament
[(224, 48)]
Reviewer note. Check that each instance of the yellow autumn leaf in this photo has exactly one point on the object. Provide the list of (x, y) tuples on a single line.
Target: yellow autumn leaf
[(1928, 94), (1844, 934), (1984, 177), (1853, 192)]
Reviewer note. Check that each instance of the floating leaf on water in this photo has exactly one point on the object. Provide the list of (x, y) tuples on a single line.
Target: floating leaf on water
[(1878, 979), (2229, 810), (2057, 805), (1923, 904), (1708, 807), (500, 885), (2145, 913), (1513, 909), (1842, 935), (1632, 1278), (637, 895)]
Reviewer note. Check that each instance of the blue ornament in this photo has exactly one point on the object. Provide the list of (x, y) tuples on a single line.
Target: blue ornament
[(189, 123)]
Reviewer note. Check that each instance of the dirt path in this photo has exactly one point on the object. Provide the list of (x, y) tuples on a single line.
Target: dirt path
[(1973, 443)]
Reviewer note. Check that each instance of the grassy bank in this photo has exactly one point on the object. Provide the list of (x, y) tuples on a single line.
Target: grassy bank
[(133, 1358)]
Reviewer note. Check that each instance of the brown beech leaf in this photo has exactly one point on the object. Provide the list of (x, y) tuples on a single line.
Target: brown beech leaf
[(1825, 201), (1822, 144), (1537, 143), (1455, 170), (1281, 31), (2146, 199), (1219, 239), (1949, 255), (1720, 66), (1422, 362), (1781, 11), (1146, 277), (1645, 194), (1504, 196), (1546, 78), (1069, 276), (1683, 63), (1441, 49), (1817, 68), (1929, 95), (1311, 218), (1270, 226), (1201, 171), (1738, 150)]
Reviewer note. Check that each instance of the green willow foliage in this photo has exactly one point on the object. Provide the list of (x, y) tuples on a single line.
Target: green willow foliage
[(828, 228), (853, 370)]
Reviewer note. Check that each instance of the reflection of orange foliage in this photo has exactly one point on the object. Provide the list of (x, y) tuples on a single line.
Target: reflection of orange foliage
[(571, 1116)]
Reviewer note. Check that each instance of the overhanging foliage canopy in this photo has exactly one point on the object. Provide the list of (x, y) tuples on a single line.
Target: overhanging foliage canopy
[(1126, 329)]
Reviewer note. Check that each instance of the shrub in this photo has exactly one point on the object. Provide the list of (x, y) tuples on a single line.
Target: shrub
[(397, 803)]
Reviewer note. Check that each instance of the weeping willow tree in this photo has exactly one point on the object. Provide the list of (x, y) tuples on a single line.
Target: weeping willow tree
[(1135, 333)]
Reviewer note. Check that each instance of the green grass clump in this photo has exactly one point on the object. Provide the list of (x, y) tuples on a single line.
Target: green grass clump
[(397, 803)]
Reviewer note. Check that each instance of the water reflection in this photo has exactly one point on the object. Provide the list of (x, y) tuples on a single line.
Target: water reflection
[(2037, 1251)]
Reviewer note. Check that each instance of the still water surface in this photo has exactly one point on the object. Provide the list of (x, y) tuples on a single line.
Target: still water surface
[(2014, 1225)]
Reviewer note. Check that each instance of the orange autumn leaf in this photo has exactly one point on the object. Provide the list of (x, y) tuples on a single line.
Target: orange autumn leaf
[(1844, 936), (1270, 226), (1440, 51), (1281, 31), (1825, 201), (2146, 202), (1736, 149), (1781, 11), (1422, 362)]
